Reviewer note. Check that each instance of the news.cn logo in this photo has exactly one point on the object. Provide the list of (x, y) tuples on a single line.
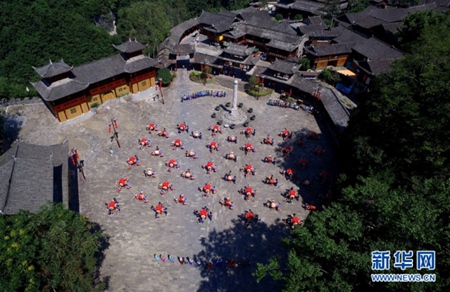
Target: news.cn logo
[(425, 260)]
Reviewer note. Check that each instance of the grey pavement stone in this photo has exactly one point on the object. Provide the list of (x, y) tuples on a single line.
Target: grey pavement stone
[(134, 233)]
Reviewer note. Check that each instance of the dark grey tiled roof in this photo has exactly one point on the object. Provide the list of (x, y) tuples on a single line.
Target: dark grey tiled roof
[(53, 69), (58, 89), (319, 31), (302, 84), (375, 67), (238, 50), (373, 16), (288, 47), (27, 173), (237, 31), (303, 5), (254, 16), (176, 33), (283, 66), (183, 49), (333, 106), (206, 59), (315, 20), (130, 46), (218, 22), (272, 35), (100, 70), (329, 50), (335, 109), (139, 63), (375, 49)]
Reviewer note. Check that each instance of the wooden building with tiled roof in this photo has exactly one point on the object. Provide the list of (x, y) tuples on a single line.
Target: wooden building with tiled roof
[(70, 92)]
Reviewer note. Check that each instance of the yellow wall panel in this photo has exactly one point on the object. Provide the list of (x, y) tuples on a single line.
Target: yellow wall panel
[(62, 116), (73, 112), (135, 88), (321, 64), (342, 61), (144, 84), (108, 95), (122, 90), (84, 107)]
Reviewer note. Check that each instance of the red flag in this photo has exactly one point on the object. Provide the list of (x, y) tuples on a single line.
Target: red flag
[(115, 123)]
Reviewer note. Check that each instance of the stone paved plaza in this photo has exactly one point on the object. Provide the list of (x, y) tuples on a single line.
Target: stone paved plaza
[(134, 235)]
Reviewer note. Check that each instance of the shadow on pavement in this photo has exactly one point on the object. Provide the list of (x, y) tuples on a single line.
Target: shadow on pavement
[(100, 255), (247, 247), (11, 128), (315, 179)]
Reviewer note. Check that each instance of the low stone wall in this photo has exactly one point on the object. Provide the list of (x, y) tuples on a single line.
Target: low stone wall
[(20, 101)]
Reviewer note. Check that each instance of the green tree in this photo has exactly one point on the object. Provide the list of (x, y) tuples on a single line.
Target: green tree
[(357, 5), (414, 24), (145, 21), (52, 250), (306, 64), (330, 77), (279, 17), (165, 75), (298, 17)]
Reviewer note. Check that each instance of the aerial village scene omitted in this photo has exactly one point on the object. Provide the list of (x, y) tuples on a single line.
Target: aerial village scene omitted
[(175, 145)]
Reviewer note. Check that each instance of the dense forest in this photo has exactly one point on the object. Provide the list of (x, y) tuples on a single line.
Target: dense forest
[(394, 190), (36, 31)]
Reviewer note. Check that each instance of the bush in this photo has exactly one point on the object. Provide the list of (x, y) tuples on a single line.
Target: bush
[(174, 75), (306, 64), (279, 17), (330, 77), (165, 75), (291, 99), (298, 17), (95, 104)]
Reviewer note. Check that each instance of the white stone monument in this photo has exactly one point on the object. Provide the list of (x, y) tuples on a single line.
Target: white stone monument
[(236, 115)]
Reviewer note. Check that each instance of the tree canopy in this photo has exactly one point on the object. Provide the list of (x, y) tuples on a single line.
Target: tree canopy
[(52, 250), (393, 193)]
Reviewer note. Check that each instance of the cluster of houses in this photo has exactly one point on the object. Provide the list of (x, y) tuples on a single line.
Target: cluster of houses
[(242, 43)]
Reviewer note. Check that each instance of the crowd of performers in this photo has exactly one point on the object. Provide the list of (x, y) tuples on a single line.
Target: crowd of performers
[(210, 264), (291, 195)]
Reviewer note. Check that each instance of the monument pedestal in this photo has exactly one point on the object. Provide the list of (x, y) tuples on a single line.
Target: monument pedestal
[(236, 115)]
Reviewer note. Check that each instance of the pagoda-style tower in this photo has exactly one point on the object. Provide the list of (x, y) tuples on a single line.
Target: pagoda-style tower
[(61, 91)]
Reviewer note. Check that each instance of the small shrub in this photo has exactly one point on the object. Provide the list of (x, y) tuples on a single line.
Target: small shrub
[(291, 99), (298, 17), (174, 75), (95, 104), (279, 17), (306, 64), (330, 77)]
